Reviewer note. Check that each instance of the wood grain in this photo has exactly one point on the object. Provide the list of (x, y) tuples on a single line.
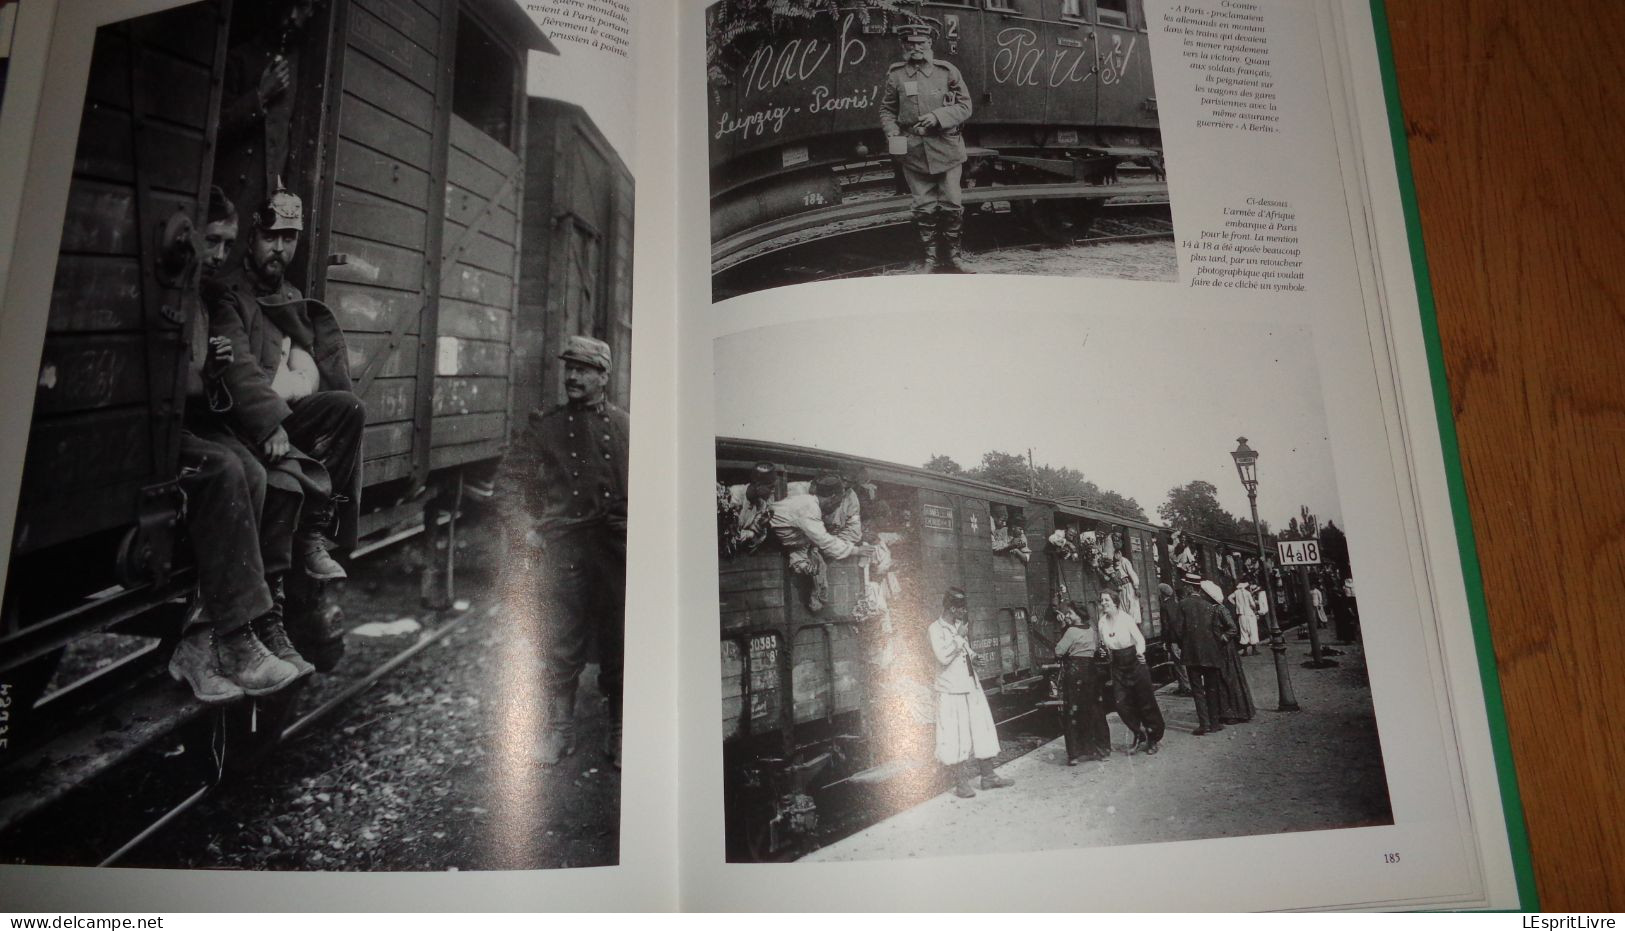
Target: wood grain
[(1513, 113)]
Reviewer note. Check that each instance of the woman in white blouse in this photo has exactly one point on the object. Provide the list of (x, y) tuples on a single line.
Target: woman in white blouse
[(1131, 679)]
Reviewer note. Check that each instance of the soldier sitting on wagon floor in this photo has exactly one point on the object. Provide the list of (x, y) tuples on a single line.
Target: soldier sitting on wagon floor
[(220, 656), (289, 384)]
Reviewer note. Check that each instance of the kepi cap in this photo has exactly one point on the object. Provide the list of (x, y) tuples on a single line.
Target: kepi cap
[(955, 598), (586, 350)]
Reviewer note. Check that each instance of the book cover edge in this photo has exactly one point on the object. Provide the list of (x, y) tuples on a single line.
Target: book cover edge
[(1494, 705)]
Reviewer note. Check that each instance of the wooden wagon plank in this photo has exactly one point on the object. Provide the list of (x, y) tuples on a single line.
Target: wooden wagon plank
[(378, 264), (445, 457), (390, 399), (456, 356), (386, 132), (170, 157), (106, 148), (108, 84), (81, 373), (369, 216), (101, 217), (383, 88), (412, 20), (459, 429), (95, 292), (86, 451), (187, 32), (483, 252), (363, 346), (470, 396), (366, 309), (178, 91), (364, 169), (474, 321), (466, 171), (462, 205), (386, 42), (483, 148), (388, 469), (479, 286), (388, 439)]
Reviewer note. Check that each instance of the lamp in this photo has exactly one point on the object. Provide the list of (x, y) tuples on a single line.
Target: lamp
[(1247, 469)]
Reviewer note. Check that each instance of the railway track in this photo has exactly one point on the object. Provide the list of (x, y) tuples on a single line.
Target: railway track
[(182, 753)]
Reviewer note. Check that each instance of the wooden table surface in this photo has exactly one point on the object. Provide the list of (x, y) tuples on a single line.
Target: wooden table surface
[(1514, 112)]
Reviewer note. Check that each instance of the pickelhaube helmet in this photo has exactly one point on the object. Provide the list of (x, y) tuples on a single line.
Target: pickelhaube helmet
[(283, 210)]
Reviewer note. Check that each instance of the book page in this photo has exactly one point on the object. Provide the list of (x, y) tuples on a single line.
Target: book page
[(328, 419), (1067, 520)]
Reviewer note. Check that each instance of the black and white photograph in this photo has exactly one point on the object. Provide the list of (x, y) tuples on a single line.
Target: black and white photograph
[(320, 552), (850, 140), (987, 593)]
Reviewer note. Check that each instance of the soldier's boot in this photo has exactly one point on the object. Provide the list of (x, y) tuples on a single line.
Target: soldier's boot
[(990, 778), (268, 627), (194, 663), (317, 562), (313, 555), (925, 225), (950, 255), (559, 739), (962, 781), (612, 737), (243, 659)]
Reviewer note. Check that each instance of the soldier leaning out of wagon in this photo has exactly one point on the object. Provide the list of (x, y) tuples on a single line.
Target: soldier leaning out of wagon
[(798, 522), (289, 384), (923, 106), (749, 502), (223, 653), (846, 520)]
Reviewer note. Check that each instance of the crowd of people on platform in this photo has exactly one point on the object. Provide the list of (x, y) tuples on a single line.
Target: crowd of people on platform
[(1101, 648)]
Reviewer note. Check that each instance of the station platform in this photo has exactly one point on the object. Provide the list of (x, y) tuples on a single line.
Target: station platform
[(1314, 769)]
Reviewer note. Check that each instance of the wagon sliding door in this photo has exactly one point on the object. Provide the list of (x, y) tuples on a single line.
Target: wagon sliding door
[(425, 212), (387, 162), (107, 406)]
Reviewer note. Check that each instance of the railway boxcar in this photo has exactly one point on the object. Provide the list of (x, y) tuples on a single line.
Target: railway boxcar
[(812, 698), (407, 142), (1062, 95), (577, 275)]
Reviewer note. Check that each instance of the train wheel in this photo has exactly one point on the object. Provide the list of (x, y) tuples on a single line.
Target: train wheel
[(1062, 221)]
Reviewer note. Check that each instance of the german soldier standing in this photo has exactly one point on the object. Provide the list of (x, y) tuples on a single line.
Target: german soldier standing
[(925, 103), (568, 471)]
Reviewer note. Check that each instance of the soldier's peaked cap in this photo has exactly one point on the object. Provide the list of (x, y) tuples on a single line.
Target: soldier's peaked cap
[(915, 33), (283, 210), (586, 350), (955, 598), (763, 472)]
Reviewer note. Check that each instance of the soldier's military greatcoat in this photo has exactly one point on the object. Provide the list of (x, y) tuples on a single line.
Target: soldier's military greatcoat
[(914, 90)]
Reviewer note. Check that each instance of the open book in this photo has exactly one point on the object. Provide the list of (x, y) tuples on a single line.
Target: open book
[(1029, 483)]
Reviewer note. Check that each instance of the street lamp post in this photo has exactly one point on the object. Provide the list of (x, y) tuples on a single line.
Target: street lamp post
[(1247, 467)]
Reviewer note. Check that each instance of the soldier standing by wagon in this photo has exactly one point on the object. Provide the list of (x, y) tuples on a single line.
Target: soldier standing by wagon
[(924, 104), (568, 473)]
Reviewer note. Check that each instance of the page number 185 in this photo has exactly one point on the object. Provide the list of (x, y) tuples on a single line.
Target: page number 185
[(1390, 858)]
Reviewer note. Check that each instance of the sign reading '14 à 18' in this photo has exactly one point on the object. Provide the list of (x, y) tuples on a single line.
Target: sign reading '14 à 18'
[(1299, 552)]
